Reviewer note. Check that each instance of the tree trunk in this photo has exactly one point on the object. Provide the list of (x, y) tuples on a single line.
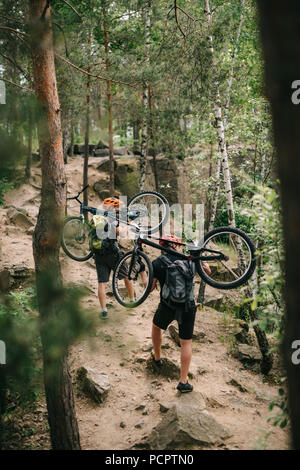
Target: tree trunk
[(46, 241), (110, 116), (135, 126), (71, 154), (144, 149), (280, 34), (234, 56), (29, 148), (153, 140), (87, 128)]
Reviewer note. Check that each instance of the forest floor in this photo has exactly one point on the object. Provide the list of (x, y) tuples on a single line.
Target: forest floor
[(119, 348)]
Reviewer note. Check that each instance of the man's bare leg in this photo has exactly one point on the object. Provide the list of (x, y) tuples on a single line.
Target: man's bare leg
[(102, 294), (156, 341), (144, 277), (129, 288), (185, 358)]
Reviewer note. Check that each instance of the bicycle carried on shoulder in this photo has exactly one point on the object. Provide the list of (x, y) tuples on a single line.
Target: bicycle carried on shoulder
[(76, 229), (228, 251)]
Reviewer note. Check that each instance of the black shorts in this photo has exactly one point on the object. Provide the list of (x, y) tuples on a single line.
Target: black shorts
[(164, 315), (107, 262)]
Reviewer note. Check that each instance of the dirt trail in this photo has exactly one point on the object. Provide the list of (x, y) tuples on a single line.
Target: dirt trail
[(121, 345)]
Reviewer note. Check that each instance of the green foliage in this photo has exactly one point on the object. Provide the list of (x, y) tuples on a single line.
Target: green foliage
[(62, 319), (19, 331), (266, 231), (5, 186), (242, 221), (281, 418)]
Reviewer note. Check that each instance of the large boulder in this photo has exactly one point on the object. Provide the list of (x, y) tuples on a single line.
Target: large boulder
[(16, 275), (93, 383), (214, 301), (122, 151), (248, 354), (187, 423), (102, 145), (19, 218), (101, 152)]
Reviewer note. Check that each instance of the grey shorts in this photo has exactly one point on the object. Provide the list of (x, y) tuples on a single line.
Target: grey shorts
[(106, 263)]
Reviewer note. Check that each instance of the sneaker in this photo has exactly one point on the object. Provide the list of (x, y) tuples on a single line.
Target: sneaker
[(184, 388), (157, 362), (103, 314)]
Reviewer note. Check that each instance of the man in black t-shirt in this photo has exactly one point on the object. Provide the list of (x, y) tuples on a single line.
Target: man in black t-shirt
[(166, 313)]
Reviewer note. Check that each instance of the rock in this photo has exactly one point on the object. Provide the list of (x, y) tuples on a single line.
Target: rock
[(122, 151), (199, 336), (19, 217), (213, 403), (174, 334), (241, 334), (30, 230), (92, 148), (139, 424), (19, 275), (101, 152), (202, 370), (186, 423), (147, 347), (142, 406), (104, 166), (36, 157), (214, 301), (5, 280), (102, 145), (235, 383), (168, 369), (248, 354), (164, 407), (95, 384)]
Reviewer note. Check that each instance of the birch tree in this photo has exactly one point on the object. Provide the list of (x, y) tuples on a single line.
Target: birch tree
[(145, 99)]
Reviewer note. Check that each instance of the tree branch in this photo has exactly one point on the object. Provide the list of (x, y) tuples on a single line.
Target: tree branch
[(91, 74), (12, 30), (15, 84), (8, 18), (72, 8), (14, 64), (176, 18)]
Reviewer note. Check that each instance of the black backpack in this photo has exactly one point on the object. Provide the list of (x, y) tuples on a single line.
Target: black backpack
[(178, 287)]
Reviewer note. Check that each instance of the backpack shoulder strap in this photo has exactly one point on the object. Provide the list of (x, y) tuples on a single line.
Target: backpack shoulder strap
[(165, 260)]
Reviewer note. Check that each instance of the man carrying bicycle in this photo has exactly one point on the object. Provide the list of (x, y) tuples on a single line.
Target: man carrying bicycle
[(169, 310), (108, 255)]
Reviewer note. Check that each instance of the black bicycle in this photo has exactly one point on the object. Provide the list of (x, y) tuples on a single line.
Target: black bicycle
[(147, 211), (229, 253)]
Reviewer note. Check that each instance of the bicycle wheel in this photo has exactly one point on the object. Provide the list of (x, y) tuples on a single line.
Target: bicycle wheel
[(132, 279), (154, 211), (75, 239), (239, 249)]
